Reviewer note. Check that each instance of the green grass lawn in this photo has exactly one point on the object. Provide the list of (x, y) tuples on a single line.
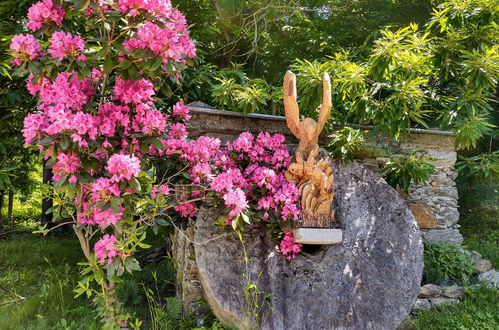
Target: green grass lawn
[(44, 271)]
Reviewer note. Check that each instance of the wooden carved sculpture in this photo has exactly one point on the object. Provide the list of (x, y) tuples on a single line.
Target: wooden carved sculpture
[(314, 178)]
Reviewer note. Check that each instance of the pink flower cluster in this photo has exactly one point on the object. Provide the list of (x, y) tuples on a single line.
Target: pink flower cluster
[(25, 47), (105, 249), (248, 175), (153, 7), (160, 190), (45, 12), (93, 215), (171, 42), (123, 167), (149, 121), (133, 91), (181, 111), (104, 189), (288, 246), (66, 91), (67, 164), (65, 44)]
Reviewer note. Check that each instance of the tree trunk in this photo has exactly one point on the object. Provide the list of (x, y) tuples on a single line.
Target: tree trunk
[(10, 210), (47, 202), (1, 209)]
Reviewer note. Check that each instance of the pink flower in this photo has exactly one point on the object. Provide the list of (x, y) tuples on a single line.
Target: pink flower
[(25, 47), (104, 189), (133, 91), (185, 209), (200, 171), (45, 12), (171, 42), (149, 121), (67, 91), (243, 143), (34, 88), (105, 248), (162, 189), (66, 164), (288, 246), (122, 167), (226, 180), (34, 125), (153, 7), (65, 44), (177, 131), (236, 199), (181, 111)]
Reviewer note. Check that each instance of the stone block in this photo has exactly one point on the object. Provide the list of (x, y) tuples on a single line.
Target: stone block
[(419, 305), (483, 265), (317, 236), (424, 214), (443, 301), (449, 235), (490, 278), (452, 291), (430, 291)]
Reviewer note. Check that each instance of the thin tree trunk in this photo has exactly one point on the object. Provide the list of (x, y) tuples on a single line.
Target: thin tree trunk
[(10, 210), (47, 202), (1, 209)]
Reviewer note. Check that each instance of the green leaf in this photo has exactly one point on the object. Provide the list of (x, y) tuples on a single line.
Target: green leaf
[(59, 183), (157, 144), (245, 218), (108, 65), (135, 184), (65, 141), (162, 222)]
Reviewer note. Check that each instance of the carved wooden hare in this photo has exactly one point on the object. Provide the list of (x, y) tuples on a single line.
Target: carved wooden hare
[(313, 178)]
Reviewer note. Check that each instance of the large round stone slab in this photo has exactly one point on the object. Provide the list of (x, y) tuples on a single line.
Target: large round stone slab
[(369, 281)]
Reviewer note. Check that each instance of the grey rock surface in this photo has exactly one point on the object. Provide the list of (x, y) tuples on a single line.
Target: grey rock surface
[(483, 265), (369, 281), (453, 291), (451, 236), (491, 278), (419, 305), (443, 301), (475, 256), (430, 291)]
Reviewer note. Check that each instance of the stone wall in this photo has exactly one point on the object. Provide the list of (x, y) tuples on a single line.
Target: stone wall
[(434, 203)]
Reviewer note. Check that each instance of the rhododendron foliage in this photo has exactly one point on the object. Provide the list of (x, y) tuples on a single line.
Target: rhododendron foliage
[(101, 129)]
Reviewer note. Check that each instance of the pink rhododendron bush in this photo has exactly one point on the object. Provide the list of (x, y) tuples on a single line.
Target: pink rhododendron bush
[(121, 159)]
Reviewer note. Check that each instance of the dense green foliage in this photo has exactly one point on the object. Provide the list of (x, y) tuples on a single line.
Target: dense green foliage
[(479, 210), (441, 73), (444, 264), (346, 142), (403, 171), (15, 161)]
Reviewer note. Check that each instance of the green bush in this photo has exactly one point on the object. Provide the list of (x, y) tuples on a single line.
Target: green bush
[(411, 169), (346, 142), (444, 263)]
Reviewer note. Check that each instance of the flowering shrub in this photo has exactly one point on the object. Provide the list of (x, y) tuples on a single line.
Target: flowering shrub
[(99, 127)]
